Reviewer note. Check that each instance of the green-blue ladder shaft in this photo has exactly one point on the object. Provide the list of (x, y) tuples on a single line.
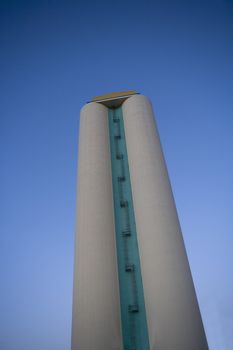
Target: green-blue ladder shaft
[(133, 314)]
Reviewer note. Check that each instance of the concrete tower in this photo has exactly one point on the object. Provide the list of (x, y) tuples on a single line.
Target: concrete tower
[(133, 289)]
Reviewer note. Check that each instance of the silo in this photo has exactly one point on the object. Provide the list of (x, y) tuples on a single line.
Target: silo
[(96, 311), (133, 288), (173, 315)]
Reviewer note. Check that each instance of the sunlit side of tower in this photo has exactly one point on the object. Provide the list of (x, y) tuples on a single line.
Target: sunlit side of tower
[(133, 288)]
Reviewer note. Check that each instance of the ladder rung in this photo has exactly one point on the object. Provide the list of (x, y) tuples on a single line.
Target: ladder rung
[(124, 204), (121, 178), (129, 267), (119, 156), (133, 308), (126, 233)]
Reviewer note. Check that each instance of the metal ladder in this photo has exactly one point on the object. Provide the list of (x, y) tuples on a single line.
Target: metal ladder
[(133, 314)]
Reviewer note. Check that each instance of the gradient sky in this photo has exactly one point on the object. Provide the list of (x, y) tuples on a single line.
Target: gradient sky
[(56, 55)]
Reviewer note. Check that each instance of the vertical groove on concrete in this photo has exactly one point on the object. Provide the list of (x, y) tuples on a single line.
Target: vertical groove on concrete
[(133, 315)]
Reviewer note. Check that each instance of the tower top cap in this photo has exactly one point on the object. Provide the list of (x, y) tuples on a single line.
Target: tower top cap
[(114, 99)]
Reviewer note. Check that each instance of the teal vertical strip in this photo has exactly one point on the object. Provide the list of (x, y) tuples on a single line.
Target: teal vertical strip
[(133, 314)]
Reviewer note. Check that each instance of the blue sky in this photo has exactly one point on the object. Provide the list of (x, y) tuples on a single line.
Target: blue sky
[(56, 55)]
